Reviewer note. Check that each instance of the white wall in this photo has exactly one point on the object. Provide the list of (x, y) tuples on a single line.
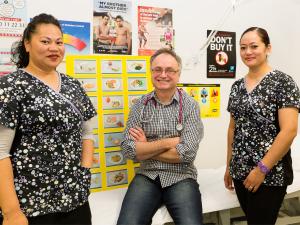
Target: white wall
[(191, 20)]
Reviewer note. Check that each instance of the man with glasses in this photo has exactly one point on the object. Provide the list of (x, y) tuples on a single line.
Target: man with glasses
[(163, 132)]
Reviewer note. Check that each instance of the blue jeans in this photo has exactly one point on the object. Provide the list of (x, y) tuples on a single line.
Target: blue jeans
[(144, 197)]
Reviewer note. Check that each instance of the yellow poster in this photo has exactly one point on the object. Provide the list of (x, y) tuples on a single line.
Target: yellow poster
[(208, 97), (113, 83)]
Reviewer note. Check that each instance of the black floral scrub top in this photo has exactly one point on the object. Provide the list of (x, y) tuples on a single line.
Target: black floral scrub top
[(46, 150), (256, 125)]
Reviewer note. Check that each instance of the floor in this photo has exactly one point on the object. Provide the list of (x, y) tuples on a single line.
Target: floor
[(289, 215)]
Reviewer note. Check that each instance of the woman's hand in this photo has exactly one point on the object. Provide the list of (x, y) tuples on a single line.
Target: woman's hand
[(254, 179), (16, 217), (228, 180)]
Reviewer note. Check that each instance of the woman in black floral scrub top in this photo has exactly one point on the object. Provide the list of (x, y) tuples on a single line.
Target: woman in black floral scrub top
[(45, 127), (263, 108)]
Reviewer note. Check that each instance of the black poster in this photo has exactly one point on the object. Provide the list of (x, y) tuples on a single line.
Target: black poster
[(221, 55)]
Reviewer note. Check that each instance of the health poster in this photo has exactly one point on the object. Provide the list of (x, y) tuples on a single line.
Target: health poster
[(76, 37), (208, 97), (221, 55), (155, 29), (112, 27), (13, 16), (114, 84)]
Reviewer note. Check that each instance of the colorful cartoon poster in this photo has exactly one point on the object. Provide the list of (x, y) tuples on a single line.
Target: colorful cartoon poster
[(155, 29), (76, 37), (221, 55), (112, 27), (114, 84), (208, 97), (12, 23)]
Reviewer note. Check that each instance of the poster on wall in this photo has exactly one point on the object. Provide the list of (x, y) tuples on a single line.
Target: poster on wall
[(12, 23), (155, 29), (208, 97), (113, 84), (112, 27), (221, 55), (76, 37)]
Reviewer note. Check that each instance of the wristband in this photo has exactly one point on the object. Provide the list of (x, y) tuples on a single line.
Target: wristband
[(263, 168)]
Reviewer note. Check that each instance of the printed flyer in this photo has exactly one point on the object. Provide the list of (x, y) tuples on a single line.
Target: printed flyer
[(76, 37), (208, 97), (114, 84), (112, 27), (12, 23), (221, 55), (155, 29)]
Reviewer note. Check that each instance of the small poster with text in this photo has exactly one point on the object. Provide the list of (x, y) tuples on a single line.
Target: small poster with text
[(112, 27), (221, 55), (12, 24)]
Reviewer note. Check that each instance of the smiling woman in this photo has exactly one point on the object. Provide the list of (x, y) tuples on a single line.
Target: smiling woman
[(47, 118), (264, 107), (46, 50)]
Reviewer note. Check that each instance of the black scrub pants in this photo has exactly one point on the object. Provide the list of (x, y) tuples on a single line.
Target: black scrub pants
[(80, 216), (261, 207)]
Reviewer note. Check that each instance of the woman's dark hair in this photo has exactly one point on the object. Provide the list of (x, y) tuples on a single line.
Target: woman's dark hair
[(19, 55), (262, 33)]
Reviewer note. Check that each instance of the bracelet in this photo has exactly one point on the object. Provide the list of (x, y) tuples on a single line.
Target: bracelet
[(263, 168)]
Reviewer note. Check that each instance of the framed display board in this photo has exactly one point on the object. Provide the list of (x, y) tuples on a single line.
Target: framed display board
[(113, 83)]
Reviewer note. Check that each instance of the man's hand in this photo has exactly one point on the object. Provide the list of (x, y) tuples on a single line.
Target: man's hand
[(172, 142), (138, 134), (147, 150)]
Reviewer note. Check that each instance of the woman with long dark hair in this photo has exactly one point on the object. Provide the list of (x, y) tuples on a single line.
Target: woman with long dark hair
[(264, 107), (46, 141)]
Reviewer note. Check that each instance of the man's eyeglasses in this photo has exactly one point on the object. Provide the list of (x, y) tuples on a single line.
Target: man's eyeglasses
[(168, 71)]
